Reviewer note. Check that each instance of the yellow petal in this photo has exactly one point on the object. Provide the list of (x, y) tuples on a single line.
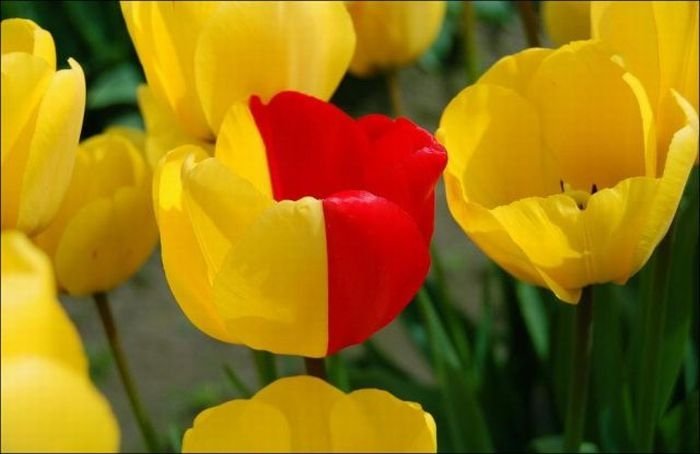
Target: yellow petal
[(33, 322), (262, 48), (183, 260), (567, 21), (481, 128), (164, 35), (240, 147), (65, 413), (23, 35), (516, 71), (221, 206), (306, 402), (163, 130), (239, 426), (393, 34), (598, 125), (272, 289), (371, 420)]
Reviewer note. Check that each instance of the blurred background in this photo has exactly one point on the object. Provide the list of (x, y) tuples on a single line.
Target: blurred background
[(496, 379)]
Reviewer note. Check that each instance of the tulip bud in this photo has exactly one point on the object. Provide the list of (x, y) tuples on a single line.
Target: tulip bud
[(42, 114), (392, 34), (105, 228), (567, 21)]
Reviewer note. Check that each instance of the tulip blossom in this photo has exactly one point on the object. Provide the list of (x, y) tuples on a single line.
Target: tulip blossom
[(48, 401), (306, 232), (392, 34), (658, 43), (553, 167), (42, 113), (105, 229), (306, 414), (202, 57), (567, 21)]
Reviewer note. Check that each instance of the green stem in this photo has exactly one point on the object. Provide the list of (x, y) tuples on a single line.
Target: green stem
[(144, 423), (316, 367), (579, 373), (655, 318), (266, 367), (529, 20), (471, 58), (394, 90)]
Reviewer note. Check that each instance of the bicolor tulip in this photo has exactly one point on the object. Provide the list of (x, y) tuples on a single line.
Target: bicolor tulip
[(553, 167), (566, 21), (306, 414), (392, 34), (48, 401), (306, 232), (202, 57), (105, 229), (658, 43), (42, 113)]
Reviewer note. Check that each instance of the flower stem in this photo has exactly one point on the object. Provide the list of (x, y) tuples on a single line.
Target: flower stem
[(144, 423), (316, 367), (266, 367), (579, 372), (394, 90), (529, 19), (655, 318), (471, 60)]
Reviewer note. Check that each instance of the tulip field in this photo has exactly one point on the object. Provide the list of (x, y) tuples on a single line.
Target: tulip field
[(359, 226)]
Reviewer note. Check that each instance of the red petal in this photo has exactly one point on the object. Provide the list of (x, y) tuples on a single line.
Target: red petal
[(377, 261)]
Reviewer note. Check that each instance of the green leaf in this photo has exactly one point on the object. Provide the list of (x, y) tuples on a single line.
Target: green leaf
[(554, 443), (679, 428), (536, 321), (337, 370), (238, 385), (116, 86)]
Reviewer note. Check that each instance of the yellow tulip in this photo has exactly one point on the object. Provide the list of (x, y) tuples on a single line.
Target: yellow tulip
[(306, 414), (552, 167), (105, 229), (392, 34), (567, 21), (201, 57), (48, 401), (42, 113), (658, 43)]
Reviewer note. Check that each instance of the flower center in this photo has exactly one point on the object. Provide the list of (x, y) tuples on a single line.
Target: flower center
[(579, 196)]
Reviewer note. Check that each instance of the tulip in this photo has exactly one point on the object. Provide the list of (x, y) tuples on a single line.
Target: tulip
[(105, 229), (202, 57), (48, 401), (306, 414), (392, 34), (552, 168), (658, 43), (567, 21), (42, 113), (306, 232)]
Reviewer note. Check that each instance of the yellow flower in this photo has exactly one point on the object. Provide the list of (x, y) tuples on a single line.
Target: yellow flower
[(392, 34), (201, 57), (658, 43), (306, 414), (552, 167), (105, 229), (42, 113), (567, 21), (48, 401)]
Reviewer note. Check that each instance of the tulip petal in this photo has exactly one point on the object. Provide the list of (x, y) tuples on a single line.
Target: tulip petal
[(598, 124), (183, 260), (52, 151), (567, 21), (65, 413), (33, 322), (23, 35), (272, 287), (481, 127), (306, 403), (165, 35), (516, 71), (262, 48), (239, 426), (372, 420), (377, 261)]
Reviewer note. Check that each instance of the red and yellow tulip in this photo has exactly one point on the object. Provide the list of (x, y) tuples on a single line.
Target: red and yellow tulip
[(306, 232)]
